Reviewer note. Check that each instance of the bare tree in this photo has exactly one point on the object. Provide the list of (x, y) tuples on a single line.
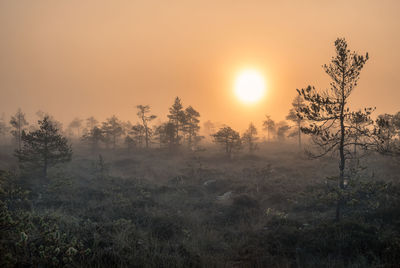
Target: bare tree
[(331, 126)]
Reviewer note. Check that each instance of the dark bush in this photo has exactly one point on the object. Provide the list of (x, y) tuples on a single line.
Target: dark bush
[(245, 201), (165, 228)]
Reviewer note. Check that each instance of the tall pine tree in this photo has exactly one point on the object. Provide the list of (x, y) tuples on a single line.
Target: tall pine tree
[(332, 125)]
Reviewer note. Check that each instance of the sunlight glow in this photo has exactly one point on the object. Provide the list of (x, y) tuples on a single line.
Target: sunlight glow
[(249, 86)]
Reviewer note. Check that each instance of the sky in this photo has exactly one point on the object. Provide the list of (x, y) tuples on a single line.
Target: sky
[(80, 58)]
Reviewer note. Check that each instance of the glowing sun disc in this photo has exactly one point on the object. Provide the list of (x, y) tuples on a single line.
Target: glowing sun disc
[(249, 86)]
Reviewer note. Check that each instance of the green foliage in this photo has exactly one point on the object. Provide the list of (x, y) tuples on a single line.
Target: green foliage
[(43, 148), (29, 239), (165, 228), (48, 245), (165, 212)]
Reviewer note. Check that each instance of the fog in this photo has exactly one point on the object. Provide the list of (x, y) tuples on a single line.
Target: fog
[(212, 134), (96, 58)]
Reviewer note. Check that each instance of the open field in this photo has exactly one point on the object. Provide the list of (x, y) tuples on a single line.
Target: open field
[(196, 209)]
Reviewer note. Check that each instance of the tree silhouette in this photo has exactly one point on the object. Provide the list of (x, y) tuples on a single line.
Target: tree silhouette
[(209, 127), (228, 138), (3, 129), (76, 123), (297, 104), (51, 118), (112, 129), (166, 136), (269, 126), (158, 131), (250, 138), (129, 143), (387, 134), (93, 138), (44, 147), (331, 124), (91, 122), (191, 125), (18, 124), (138, 133), (177, 118), (142, 113), (360, 120), (281, 130)]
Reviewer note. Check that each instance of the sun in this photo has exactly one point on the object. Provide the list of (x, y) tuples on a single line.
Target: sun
[(249, 86)]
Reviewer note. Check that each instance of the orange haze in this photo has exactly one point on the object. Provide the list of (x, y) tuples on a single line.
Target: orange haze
[(81, 58)]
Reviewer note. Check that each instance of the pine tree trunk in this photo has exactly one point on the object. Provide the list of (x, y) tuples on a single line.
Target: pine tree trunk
[(190, 140), (299, 126), (19, 132), (147, 137), (342, 156)]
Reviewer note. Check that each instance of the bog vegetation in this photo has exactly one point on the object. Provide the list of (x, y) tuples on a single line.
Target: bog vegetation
[(321, 190)]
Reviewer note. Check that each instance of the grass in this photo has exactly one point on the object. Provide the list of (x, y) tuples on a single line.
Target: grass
[(148, 209)]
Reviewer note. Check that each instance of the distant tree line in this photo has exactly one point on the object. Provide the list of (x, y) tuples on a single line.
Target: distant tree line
[(324, 116)]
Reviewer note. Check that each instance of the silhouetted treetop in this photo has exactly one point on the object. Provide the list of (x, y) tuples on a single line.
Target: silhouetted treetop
[(228, 138), (332, 125)]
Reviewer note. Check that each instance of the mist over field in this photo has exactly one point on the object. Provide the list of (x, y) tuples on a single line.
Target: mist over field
[(220, 134)]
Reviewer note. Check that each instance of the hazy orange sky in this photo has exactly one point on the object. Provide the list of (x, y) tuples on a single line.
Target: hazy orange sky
[(81, 58)]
